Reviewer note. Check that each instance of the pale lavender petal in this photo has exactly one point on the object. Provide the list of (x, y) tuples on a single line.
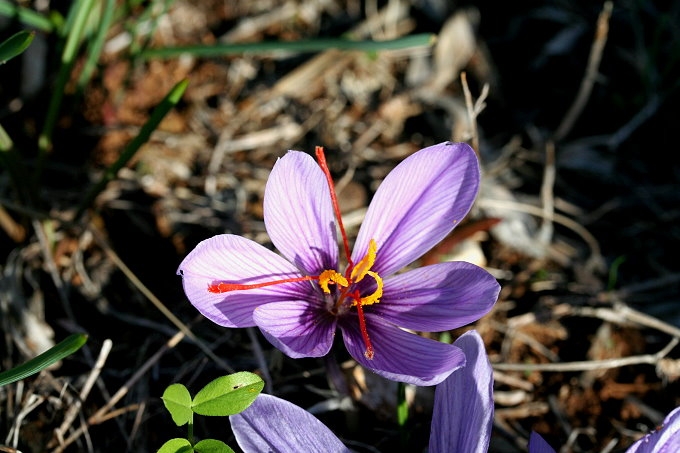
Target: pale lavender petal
[(298, 213), (298, 328), (463, 404), (234, 259), (664, 440), (274, 425), (538, 445), (439, 297), (400, 355), (418, 204)]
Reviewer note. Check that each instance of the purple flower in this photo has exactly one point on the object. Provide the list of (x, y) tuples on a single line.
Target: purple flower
[(463, 404), (299, 300), (272, 424), (665, 439), (461, 421), (538, 445)]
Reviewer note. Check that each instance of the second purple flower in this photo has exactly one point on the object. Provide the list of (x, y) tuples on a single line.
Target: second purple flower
[(301, 299)]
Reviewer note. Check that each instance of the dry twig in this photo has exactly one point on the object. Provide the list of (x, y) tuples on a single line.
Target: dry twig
[(73, 410), (104, 413), (591, 73), (473, 109), (113, 256)]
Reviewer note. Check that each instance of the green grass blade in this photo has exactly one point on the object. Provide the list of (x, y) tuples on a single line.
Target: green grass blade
[(73, 39), (97, 44), (26, 16), (152, 14), (170, 100), (6, 142), (15, 45), (312, 45), (75, 33), (402, 405), (67, 347), (15, 168)]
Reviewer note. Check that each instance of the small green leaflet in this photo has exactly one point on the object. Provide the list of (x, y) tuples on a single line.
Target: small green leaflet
[(226, 395)]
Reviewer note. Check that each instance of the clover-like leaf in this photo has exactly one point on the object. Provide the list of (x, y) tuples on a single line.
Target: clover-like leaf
[(177, 445), (177, 401), (212, 446), (228, 395)]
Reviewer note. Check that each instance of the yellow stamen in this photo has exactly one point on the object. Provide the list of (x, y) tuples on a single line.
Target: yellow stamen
[(330, 276), (376, 295), (362, 267), (359, 271)]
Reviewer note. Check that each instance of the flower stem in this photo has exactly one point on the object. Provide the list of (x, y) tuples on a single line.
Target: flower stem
[(190, 432)]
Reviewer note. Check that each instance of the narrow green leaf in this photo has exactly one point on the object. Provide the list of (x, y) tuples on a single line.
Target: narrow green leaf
[(170, 100), (402, 404), (6, 142), (212, 446), (97, 44), (16, 168), (15, 45), (445, 337), (228, 395), (402, 414), (177, 401), (147, 24), (74, 28), (176, 445), (26, 16), (67, 347), (313, 45), (614, 271), (76, 31)]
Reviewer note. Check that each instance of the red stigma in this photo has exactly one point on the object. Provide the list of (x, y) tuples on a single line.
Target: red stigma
[(223, 287), (321, 158), (369, 352)]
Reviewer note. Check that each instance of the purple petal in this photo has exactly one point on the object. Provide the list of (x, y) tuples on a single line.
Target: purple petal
[(271, 424), (298, 328), (538, 445), (418, 204), (400, 355), (463, 404), (664, 440), (298, 213), (439, 297), (234, 259)]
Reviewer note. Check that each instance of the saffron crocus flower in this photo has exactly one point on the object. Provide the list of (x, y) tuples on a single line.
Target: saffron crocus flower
[(300, 299)]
